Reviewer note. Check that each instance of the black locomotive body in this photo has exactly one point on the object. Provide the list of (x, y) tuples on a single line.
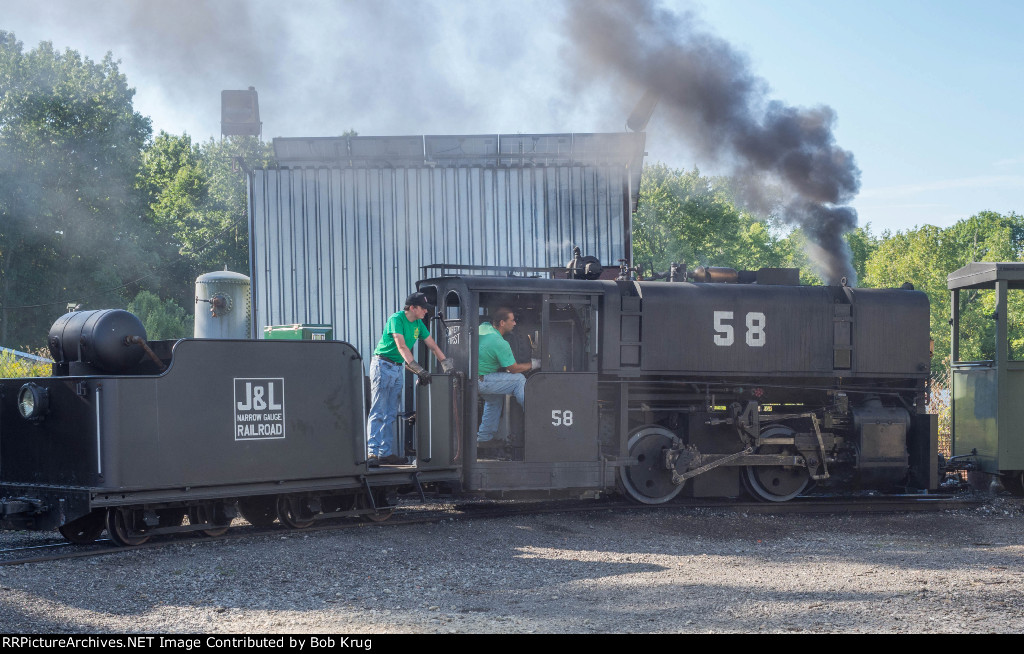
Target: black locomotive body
[(660, 387), (648, 388), (134, 445)]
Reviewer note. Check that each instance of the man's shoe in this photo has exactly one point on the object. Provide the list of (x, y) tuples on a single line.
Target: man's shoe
[(394, 460), (373, 461)]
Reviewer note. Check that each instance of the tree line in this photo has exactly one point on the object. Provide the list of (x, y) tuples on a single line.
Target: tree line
[(97, 212)]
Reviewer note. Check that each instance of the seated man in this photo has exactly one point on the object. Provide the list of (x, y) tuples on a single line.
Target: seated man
[(498, 373)]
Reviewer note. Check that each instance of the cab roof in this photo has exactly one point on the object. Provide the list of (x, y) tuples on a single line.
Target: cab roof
[(985, 274)]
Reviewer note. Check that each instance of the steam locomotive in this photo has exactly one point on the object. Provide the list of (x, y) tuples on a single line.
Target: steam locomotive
[(710, 384)]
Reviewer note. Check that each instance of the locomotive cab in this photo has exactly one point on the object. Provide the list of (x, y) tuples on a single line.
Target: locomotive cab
[(550, 444), (988, 372)]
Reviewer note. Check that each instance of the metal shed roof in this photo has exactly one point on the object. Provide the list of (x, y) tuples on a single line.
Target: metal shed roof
[(985, 274)]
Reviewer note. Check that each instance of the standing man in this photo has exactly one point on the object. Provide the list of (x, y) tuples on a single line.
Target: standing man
[(386, 375), (498, 373)]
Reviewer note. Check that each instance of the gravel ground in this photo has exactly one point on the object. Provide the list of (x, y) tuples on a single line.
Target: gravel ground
[(675, 570)]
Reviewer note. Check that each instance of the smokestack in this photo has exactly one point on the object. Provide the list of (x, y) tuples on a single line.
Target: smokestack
[(722, 109), (641, 114), (240, 113)]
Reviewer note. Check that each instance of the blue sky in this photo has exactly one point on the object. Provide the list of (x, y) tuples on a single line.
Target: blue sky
[(927, 94)]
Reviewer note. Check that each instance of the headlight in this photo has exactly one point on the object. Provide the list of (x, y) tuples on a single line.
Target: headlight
[(33, 401)]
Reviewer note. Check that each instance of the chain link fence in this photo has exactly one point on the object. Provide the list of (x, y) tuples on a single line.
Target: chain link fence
[(939, 402), (23, 364)]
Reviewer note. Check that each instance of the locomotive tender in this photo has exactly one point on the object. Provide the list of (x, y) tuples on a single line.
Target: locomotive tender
[(732, 381)]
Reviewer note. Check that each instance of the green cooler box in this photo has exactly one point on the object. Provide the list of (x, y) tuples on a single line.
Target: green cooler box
[(299, 332)]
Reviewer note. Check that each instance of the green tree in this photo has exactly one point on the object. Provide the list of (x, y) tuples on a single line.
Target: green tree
[(862, 244), (197, 206), (684, 217), (70, 143), (925, 256), (223, 239), (162, 319), (794, 255), (174, 188), (794, 247)]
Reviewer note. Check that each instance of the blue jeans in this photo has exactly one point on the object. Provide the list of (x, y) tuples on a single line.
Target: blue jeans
[(386, 380), (492, 389)]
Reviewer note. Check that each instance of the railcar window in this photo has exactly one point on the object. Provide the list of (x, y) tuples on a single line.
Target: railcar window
[(571, 332), (452, 306), (977, 328)]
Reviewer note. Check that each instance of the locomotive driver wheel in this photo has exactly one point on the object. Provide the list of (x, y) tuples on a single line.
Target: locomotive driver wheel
[(775, 483), (119, 522), (648, 481)]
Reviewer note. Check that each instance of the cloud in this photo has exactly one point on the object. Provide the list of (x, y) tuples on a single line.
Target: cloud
[(990, 182), (322, 67)]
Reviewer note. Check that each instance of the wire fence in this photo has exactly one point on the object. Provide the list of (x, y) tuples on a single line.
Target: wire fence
[(940, 399), (23, 364)]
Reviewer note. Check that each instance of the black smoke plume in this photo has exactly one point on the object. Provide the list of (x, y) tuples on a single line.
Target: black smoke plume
[(723, 111)]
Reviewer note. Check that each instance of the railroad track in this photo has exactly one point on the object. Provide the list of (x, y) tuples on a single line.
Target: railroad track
[(53, 549)]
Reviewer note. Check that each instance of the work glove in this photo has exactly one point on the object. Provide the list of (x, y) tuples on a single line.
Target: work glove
[(419, 371), (447, 365), (534, 364)]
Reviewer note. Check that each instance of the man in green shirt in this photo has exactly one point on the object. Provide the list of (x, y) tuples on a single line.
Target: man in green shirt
[(498, 374), (386, 375)]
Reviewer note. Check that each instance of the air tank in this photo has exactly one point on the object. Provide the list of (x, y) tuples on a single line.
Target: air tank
[(222, 305), (98, 339)]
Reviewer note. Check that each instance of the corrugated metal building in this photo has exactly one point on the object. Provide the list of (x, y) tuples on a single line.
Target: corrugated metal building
[(341, 228)]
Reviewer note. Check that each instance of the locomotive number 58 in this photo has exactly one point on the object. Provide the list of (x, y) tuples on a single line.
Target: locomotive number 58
[(724, 331), (561, 418)]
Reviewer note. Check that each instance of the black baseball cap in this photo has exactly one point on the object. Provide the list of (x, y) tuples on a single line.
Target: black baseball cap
[(417, 300)]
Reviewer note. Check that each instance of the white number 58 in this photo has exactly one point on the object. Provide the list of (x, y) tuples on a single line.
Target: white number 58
[(561, 418), (755, 336)]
